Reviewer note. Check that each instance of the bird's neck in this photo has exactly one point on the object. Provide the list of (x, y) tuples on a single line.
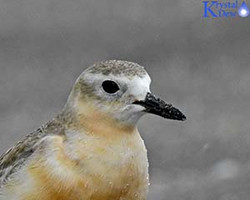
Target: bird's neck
[(92, 121)]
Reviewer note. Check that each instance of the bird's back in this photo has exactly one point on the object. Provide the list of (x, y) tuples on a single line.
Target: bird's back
[(15, 157)]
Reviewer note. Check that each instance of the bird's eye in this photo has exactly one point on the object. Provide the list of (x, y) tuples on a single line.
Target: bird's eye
[(110, 87)]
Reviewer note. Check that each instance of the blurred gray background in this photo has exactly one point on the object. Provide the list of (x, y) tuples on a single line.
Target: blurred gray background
[(199, 65)]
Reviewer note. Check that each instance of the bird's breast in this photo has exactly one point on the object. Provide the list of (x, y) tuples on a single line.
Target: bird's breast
[(84, 168)]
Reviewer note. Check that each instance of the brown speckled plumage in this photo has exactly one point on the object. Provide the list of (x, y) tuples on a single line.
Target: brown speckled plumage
[(118, 67), (16, 156)]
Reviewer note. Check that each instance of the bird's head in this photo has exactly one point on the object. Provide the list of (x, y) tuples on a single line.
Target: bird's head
[(120, 91)]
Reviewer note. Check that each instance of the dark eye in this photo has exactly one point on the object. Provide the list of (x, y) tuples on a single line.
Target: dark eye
[(110, 87)]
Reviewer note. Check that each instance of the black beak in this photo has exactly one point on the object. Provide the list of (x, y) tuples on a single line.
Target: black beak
[(159, 107)]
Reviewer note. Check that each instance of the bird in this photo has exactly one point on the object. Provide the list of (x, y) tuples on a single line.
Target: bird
[(92, 149)]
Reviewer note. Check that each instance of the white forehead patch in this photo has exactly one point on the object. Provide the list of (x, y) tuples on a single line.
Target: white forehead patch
[(139, 87)]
